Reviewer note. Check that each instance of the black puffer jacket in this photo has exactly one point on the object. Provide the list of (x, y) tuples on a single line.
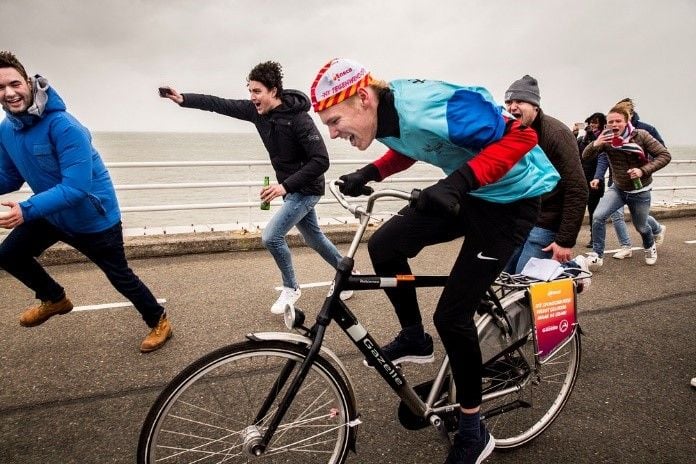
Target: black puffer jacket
[(297, 151)]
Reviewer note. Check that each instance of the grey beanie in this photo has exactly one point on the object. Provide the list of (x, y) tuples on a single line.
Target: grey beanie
[(525, 89)]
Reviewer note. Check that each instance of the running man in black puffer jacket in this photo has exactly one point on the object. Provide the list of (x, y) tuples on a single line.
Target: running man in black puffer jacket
[(299, 158)]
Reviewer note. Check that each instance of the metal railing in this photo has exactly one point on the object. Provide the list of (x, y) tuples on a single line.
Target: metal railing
[(427, 175)]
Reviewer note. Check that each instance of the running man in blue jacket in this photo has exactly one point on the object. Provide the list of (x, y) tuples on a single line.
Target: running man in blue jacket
[(73, 202)]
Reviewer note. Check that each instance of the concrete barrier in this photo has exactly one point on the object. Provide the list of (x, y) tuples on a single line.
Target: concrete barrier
[(149, 246)]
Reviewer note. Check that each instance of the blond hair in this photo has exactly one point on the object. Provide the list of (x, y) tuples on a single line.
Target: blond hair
[(622, 109)]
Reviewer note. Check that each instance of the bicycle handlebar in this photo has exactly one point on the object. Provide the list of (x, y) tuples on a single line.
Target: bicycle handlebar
[(373, 196)]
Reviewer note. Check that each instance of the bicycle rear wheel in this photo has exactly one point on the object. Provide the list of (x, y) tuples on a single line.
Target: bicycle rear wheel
[(520, 416), (208, 413)]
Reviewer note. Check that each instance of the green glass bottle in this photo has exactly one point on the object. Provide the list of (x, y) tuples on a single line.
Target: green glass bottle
[(637, 184), (264, 204)]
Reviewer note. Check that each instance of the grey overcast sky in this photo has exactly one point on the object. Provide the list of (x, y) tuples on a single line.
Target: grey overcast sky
[(107, 58)]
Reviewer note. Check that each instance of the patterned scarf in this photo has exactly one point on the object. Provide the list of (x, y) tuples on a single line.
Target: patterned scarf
[(622, 143)]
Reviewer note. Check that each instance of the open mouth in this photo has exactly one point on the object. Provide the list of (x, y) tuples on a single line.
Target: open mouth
[(14, 105)]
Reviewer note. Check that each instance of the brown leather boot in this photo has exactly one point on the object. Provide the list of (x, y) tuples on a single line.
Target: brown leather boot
[(37, 315), (158, 336)]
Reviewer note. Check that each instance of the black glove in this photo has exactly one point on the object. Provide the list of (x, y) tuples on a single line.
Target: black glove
[(444, 198), (441, 199), (353, 184)]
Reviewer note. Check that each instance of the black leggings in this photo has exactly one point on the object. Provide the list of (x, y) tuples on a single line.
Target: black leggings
[(492, 232)]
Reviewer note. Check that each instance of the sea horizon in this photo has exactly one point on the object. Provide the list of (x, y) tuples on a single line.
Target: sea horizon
[(167, 146)]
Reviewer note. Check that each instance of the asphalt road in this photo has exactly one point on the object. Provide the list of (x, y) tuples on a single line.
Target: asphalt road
[(76, 389)]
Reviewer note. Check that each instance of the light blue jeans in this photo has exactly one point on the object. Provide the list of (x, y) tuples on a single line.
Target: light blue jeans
[(617, 219), (613, 199), (298, 211), (538, 239)]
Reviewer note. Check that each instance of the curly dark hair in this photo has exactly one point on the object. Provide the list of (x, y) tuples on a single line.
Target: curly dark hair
[(599, 118), (8, 60), (270, 74)]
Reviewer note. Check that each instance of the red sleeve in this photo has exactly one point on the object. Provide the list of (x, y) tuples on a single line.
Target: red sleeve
[(497, 158), (392, 162)]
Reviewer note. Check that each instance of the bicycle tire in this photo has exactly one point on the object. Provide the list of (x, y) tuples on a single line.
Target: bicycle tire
[(545, 388), (206, 413)]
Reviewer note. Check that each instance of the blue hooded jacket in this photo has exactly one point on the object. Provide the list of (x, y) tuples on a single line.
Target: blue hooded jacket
[(53, 153)]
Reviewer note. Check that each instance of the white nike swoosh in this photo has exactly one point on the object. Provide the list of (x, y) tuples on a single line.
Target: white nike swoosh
[(481, 256)]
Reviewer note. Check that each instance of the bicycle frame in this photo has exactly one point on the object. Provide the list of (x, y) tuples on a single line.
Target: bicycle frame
[(299, 397), (334, 309)]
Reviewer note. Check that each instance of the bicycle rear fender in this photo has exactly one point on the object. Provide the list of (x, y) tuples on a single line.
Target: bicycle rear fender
[(301, 339)]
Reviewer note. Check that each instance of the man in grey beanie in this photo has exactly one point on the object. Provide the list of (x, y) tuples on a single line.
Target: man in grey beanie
[(563, 209), (525, 89)]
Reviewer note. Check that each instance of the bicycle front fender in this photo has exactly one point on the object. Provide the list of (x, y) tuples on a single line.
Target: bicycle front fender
[(303, 340)]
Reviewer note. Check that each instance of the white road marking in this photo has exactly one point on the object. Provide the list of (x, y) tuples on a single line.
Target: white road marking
[(310, 285), (619, 249), (124, 304)]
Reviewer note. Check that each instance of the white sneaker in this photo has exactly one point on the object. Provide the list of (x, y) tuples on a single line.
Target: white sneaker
[(660, 238), (287, 296), (625, 252), (693, 382), (593, 260), (583, 283), (651, 255)]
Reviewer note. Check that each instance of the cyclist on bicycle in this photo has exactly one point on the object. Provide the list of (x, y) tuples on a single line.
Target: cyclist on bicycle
[(495, 175)]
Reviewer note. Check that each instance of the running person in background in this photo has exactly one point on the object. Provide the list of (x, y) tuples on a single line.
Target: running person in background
[(495, 176), (299, 159), (73, 201), (563, 209), (595, 125), (617, 218), (626, 149)]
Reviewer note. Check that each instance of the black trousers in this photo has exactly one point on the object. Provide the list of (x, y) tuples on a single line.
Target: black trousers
[(19, 250), (593, 199), (492, 232)]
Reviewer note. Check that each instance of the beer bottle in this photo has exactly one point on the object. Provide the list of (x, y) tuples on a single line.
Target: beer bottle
[(637, 184), (264, 204)]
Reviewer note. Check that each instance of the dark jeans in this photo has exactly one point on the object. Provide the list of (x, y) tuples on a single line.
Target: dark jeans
[(18, 253), (492, 232)]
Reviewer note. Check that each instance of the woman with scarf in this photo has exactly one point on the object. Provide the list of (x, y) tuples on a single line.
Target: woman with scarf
[(626, 149)]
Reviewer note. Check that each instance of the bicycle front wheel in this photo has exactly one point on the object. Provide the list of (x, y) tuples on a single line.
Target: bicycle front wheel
[(536, 392), (218, 408)]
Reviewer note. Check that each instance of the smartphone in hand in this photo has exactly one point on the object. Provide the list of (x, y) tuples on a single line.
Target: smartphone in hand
[(165, 92)]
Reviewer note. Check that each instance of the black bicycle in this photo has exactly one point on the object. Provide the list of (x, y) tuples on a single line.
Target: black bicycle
[(284, 397)]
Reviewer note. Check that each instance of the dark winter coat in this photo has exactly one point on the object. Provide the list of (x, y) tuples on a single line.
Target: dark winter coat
[(297, 151), (621, 161), (563, 209)]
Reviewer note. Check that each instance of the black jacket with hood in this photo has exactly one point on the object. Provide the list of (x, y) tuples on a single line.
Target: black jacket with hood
[(297, 151)]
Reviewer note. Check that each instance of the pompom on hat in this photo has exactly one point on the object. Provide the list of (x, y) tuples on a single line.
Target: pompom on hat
[(336, 81)]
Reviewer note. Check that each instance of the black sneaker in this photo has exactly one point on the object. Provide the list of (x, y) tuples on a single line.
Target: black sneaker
[(468, 452), (403, 349)]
